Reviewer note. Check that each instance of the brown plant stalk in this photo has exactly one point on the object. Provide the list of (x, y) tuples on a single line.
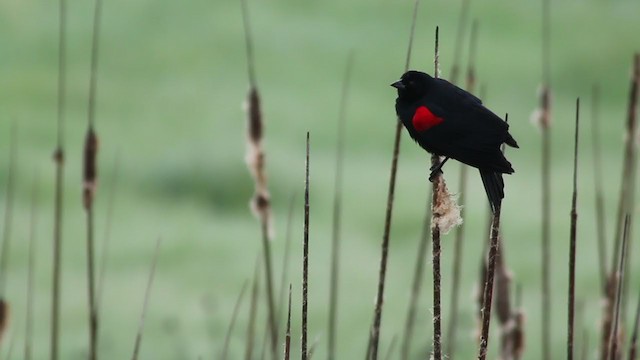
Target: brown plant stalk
[(337, 214), (6, 233), (58, 157), (28, 335), (599, 193), (147, 296), (633, 348), (305, 258), (287, 338), (488, 288), (572, 241), (260, 203), (459, 236), (374, 338), (615, 347)]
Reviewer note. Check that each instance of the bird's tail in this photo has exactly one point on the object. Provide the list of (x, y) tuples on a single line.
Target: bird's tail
[(494, 186)]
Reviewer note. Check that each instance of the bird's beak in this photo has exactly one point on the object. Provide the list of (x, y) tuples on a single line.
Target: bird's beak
[(398, 85)]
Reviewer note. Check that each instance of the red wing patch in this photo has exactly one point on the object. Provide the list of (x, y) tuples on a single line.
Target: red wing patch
[(424, 119)]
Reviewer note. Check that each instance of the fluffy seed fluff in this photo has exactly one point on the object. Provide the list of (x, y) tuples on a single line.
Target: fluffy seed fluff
[(446, 212)]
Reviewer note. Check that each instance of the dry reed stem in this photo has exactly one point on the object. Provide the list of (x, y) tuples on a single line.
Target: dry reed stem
[(462, 22), (545, 124), (374, 338), (488, 289), (232, 323), (90, 175), (113, 186), (438, 196), (8, 210), (251, 328), (287, 338), (28, 336), (418, 272), (305, 257), (286, 256), (634, 97), (614, 347), (457, 245), (633, 348), (147, 296), (608, 310), (260, 203), (599, 193), (58, 157), (572, 240), (337, 214)]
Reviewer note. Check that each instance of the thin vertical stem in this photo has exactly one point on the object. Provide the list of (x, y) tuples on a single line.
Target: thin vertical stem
[(251, 328), (435, 236), (305, 257), (459, 236), (28, 335), (337, 214), (58, 157), (416, 284), (599, 193), (232, 323), (8, 211), (374, 337), (287, 338), (147, 295), (462, 21), (546, 180), (633, 348), (572, 240), (613, 340), (488, 288)]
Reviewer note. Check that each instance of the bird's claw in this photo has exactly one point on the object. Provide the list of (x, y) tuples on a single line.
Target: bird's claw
[(434, 175)]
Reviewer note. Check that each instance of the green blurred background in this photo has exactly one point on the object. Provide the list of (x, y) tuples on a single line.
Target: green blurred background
[(172, 78)]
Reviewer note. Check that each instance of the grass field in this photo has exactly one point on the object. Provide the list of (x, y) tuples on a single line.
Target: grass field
[(172, 79)]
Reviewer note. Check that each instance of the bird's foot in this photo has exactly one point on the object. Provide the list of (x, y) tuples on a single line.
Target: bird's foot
[(434, 174)]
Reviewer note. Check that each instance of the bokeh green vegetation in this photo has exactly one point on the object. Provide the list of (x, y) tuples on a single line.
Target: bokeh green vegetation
[(172, 78)]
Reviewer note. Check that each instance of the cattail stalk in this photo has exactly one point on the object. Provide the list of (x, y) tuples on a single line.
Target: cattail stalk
[(633, 348), (107, 234), (614, 350), (599, 193), (90, 177), (545, 123), (572, 240), (147, 296), (416, 284), (287, 338), (305, 257), (251, 328), (28, 335), (261, 203), (488, 288), (438, 186), (459, 236), (58, 157), (232, 323), (462, 22), (374, 337), (337, 214)]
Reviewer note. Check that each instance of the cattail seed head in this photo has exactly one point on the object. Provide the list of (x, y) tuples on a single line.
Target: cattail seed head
[(260, 203), (541, 116), (4, 318), (90, 168)]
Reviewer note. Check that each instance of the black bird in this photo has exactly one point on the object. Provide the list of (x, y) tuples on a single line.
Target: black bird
[(448, 121)]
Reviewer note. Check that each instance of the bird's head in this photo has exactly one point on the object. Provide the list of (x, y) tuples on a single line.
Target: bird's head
[(413, 85)]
